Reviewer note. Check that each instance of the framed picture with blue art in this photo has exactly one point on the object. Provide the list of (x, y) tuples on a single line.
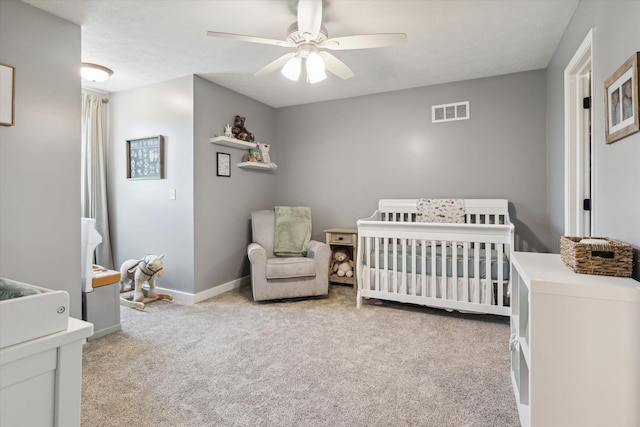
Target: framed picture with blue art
[(622, 115), (145, 158)]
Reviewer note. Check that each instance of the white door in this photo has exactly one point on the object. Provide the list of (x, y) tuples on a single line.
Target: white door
[(578, 148), (584, 139)]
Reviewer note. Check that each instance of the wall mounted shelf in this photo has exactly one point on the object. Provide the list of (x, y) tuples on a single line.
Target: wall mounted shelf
[(256, 165), (232, 142), (243, 145)]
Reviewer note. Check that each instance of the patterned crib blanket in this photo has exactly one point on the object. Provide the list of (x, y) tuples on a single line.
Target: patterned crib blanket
[(440, 210)]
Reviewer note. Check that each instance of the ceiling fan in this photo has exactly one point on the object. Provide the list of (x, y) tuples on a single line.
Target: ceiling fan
[(311, 41)]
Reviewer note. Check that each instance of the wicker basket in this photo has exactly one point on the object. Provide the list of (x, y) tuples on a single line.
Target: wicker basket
[(614, 259)]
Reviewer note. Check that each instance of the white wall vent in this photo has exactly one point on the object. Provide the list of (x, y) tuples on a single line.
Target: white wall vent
[(450, 112)]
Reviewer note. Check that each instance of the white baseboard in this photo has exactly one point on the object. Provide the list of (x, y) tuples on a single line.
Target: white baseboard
[(187, 298)]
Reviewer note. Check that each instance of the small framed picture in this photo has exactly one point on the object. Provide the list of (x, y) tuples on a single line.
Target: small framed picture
[(7, 95), (622, 117), (145, 158), (256, 155), (224, 164)]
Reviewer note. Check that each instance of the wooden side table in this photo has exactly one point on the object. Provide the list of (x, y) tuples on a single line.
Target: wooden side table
[(344, 238)]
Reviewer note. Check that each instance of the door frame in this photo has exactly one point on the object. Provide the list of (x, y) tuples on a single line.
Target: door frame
[(577, 161)]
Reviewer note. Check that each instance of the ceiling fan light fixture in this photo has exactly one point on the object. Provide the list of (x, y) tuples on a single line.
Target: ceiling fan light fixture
[(292, 68), (308, 36), (315, 68), (94, 72)]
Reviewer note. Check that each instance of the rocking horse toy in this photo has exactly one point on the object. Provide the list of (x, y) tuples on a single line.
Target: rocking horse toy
[(133, 274)]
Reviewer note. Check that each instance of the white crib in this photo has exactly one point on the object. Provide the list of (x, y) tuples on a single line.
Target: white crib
[(435, 264)]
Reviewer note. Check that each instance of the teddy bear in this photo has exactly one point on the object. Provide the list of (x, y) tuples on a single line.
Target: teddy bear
[(239, 131), (342, 264)]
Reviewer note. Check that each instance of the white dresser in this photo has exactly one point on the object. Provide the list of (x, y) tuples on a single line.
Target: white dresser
[(575, 345), (41, 379)]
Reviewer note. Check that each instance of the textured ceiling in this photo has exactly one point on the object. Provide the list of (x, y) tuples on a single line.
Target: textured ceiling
[(146, 42)]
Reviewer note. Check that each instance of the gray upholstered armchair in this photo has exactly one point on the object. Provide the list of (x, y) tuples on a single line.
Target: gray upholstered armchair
[(274, 277)]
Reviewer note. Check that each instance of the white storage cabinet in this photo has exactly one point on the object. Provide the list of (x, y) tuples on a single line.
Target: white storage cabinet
[(575, 345)]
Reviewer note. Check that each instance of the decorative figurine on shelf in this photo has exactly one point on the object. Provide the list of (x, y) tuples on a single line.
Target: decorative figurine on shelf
[(239, 131), (264, 150), (133, 273), (253, 155), (227, 131)]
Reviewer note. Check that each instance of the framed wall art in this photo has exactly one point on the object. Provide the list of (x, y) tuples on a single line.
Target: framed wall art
[(256, 155), (7, 95), (145, 158), (224, 164), (622, 116)]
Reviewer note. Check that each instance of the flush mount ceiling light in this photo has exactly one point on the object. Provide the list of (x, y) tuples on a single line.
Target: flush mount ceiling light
[(310, 38), (94, 72)]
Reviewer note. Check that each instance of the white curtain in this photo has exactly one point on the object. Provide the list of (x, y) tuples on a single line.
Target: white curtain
[(94, 172)]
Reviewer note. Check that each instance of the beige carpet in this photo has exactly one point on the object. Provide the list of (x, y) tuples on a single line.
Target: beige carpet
[(229, 361)]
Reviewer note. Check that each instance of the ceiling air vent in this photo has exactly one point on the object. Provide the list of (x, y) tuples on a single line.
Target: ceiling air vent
[(450, 112)]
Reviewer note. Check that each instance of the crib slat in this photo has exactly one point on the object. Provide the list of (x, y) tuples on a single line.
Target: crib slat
[(386, 265), (395, 266), (403, 276), (465, 281), (476, 272), (434, 279), (377, 258), (414, 268), (499, 252), (443, 273), (423, 265), (487, 273), (367, 278), (454, 269)]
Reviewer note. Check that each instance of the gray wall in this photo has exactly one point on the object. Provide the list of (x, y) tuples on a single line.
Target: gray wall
[(204, 232), (223, 205), (617, 172), (143, 219), (40, 155), (340, 157)]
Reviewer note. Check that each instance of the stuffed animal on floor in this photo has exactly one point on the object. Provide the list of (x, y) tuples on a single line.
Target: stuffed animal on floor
[(139, 271), (342, 264)]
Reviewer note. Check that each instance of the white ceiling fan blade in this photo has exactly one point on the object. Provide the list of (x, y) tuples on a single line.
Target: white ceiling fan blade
[(335, 66), (309, 18), (273, 66), (250, 39), (364, 41)]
